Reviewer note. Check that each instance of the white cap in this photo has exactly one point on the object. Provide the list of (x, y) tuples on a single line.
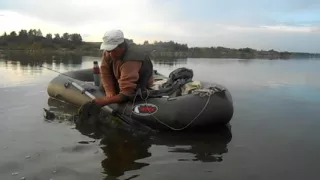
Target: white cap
[(111, 39)]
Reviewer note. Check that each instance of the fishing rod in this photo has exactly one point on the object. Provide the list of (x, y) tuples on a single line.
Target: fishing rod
[(56, 71), (128, 122)]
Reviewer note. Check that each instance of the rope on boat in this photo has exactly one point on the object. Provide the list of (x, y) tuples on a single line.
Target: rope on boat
[(201, 92)]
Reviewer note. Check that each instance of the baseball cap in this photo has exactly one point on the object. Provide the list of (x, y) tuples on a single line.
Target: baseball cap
[(111, 39)]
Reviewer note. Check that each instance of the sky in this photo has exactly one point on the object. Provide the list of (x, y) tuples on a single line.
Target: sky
[(284, 25)]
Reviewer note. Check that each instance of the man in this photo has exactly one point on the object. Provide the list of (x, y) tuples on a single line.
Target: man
[(124, 69)]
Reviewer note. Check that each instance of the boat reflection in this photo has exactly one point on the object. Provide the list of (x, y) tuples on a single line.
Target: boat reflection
[(122, 149), (206, 146)]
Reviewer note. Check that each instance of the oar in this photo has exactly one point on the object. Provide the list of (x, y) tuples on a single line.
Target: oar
[(128, 121)]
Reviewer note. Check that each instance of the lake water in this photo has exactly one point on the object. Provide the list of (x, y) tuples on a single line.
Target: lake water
[(274, 131)]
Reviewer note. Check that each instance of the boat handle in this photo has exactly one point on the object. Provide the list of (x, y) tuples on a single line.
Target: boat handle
[(171, 98)]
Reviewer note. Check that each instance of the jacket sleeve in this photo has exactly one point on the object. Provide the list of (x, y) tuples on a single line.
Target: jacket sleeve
[(129, 77), (107, 76)]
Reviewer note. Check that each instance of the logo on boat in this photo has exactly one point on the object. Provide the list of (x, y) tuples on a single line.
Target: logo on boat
[(145, 109)]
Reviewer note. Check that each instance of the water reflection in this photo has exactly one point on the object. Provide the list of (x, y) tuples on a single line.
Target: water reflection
[(122, 150), (28, 62), (56, 61), (40, 58), (169, 61), (21, 68), (206, 147), (246, 61)]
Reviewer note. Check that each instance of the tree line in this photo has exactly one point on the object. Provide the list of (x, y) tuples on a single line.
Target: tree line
[(33, 39), (166, 46)]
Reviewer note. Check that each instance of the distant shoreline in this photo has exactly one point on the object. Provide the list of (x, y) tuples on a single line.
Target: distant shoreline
[(168, 54), (33, 42)]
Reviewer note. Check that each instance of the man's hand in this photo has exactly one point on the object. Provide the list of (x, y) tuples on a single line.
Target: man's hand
[(101, 101), (111, 95), (90, 111), (107, 100)]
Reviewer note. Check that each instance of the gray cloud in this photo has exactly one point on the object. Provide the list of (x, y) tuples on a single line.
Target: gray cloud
[(173, 20), (303, 5), (317, 30), (301, 23), (70, 13), (238, 37)]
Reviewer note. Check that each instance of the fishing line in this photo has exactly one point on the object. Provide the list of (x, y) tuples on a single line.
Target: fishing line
[(56, 71)]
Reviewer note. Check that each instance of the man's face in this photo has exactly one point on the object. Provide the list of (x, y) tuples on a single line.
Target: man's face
[(116, 53)]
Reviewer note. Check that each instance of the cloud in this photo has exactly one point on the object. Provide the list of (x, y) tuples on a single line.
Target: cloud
[(12, 21), (95, 17), (291, 25), (78, 12)]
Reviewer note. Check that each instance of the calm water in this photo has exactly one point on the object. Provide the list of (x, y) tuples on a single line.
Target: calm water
[(274, 132)]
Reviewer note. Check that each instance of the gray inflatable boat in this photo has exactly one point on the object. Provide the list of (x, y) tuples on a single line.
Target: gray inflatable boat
[(203, 107)]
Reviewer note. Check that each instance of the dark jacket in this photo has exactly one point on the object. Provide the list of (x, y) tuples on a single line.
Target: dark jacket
[(124, 76)]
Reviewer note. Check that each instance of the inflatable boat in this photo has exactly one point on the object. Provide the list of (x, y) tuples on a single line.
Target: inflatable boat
[(199, 108)]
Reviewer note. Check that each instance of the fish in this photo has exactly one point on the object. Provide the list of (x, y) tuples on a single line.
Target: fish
[(48, 115)]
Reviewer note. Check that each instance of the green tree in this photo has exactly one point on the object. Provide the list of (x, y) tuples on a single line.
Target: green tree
[(76, 38), (32, 32), (23, 33), (57, 36), (13, 34), (38, 32), (66, 36), (49, 36)]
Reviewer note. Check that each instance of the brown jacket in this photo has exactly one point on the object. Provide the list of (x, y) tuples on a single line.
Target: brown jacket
[(127, 75)]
